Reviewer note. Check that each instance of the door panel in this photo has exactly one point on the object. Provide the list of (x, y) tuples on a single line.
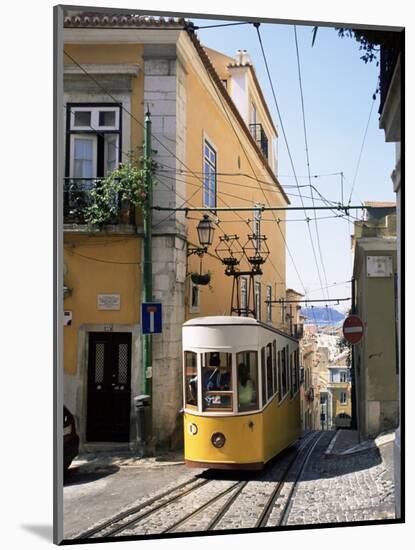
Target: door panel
[(109, 386)]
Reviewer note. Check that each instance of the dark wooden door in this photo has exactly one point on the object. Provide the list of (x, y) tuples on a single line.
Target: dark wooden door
[(109, 386)]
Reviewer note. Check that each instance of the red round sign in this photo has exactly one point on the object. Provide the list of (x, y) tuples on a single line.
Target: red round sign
[(353, 329)]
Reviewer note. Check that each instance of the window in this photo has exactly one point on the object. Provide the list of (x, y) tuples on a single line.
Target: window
[(209, 175), (343, 376), (283, 368), (268, 358), (93, 140), (244, 295), (275, 365), (217, 381), (194, 304), (264, 377), (253, 113), (258, 300), (247, 369), (269, 305), (343, 398), (190, 377)]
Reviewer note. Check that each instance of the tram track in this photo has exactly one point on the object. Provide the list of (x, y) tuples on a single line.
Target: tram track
[(214, 504)]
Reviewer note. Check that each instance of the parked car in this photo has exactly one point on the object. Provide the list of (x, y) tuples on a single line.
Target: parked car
[(70, 439)]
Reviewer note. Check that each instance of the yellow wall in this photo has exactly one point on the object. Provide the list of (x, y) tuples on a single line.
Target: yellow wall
[(206, 118), (337, 406), (89, 274), (117, 54)]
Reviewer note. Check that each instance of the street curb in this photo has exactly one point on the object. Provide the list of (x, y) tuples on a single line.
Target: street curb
[(362, 447)]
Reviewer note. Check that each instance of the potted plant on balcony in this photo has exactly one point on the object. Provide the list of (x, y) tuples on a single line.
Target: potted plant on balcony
[(125, 187)]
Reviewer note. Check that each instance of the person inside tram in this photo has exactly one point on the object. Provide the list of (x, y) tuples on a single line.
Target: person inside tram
[(246, 388), (216, 376)]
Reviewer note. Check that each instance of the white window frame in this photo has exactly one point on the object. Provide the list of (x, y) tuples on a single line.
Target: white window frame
[(91, 137), (343, 374), (194, 308), (117, 141), (343, 402), (94, 110), (208, 143), (244, 283)]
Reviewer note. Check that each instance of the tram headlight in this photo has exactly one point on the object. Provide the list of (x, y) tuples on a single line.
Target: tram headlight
[(218, 440)]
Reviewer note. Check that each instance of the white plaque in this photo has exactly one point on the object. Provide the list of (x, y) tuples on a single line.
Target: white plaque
[(379, 266), (108, 301)]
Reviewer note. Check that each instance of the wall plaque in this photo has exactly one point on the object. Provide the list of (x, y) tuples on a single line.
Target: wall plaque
[(108, 301)]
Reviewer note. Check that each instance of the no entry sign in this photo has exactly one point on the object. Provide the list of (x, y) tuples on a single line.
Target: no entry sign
[(353, 329)]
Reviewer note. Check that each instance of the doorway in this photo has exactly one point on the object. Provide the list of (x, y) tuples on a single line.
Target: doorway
[(109, 386)]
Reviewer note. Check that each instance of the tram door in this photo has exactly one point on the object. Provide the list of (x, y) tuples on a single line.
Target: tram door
[(109, 386)]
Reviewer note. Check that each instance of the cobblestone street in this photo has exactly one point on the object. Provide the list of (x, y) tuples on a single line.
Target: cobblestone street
[(341, 481), (356, 486)]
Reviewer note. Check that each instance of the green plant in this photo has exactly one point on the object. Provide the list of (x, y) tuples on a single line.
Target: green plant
[(126, 184)]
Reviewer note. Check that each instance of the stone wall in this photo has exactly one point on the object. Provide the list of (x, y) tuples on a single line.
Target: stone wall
[(165, 98)]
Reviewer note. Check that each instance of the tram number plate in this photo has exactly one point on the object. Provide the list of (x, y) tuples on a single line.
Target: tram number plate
[(213, 400)]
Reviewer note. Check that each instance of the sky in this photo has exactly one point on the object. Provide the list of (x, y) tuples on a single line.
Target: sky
[(337, 93)]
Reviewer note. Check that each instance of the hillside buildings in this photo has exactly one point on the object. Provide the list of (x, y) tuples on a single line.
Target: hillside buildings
[(208, 117)]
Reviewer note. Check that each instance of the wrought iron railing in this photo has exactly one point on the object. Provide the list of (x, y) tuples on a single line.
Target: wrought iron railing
[(257, 132), (77, 198)]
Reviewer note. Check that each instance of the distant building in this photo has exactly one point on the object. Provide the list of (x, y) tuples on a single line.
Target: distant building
[(339, 387), (375, 357)]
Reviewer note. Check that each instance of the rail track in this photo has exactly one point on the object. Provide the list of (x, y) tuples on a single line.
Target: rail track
[(206, 504)]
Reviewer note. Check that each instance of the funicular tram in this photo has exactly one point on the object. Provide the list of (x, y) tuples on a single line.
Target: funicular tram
[(241, 392)]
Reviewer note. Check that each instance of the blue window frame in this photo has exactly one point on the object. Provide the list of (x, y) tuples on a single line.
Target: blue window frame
[(209, 175)]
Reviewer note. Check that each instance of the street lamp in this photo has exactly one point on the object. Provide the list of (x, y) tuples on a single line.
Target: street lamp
[(205, 230)]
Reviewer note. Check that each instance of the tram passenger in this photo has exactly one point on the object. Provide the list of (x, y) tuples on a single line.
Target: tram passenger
[(217, 376), (246, 388)]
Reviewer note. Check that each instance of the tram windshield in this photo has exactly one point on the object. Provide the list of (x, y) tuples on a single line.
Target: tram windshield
[(247, 365), (217, 381), (190, 373)]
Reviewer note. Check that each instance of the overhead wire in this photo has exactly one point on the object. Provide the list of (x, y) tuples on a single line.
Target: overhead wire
[(308, 160), (287, 145)]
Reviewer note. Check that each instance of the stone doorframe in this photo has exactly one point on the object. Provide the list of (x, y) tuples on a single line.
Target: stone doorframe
[(82, 385)]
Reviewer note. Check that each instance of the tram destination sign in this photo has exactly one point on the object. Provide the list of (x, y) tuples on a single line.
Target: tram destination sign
[(353, 329)]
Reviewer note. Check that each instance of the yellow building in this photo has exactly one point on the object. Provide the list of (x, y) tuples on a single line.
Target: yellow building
[(376, 303), (214, 145)]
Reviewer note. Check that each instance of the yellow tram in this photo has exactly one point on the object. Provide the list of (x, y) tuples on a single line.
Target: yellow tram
[(241, 392)]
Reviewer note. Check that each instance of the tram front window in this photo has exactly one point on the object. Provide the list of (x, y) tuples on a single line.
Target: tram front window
[(190, 373), (247, 364), (217, 381)]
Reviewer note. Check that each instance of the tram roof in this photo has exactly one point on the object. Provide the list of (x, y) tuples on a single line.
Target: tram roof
[(221, 320)]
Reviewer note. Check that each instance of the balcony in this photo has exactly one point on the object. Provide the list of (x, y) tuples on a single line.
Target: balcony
[(257, 132), (298, 331), (77, 198), (389, 54)]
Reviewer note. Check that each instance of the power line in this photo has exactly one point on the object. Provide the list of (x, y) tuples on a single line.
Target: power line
[(361, 150), (286, 143), (307, 156)]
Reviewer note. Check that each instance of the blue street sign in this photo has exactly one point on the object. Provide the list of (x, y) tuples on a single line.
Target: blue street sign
[(151, 318)]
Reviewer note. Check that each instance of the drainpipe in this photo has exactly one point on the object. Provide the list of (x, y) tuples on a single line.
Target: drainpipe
[(147, 292)]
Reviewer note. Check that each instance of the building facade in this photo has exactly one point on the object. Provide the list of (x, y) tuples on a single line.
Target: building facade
[(209, 118), (376, 304)]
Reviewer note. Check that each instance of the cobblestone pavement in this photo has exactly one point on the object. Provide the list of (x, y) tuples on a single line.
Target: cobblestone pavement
[(334, 487), (346, 487)]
